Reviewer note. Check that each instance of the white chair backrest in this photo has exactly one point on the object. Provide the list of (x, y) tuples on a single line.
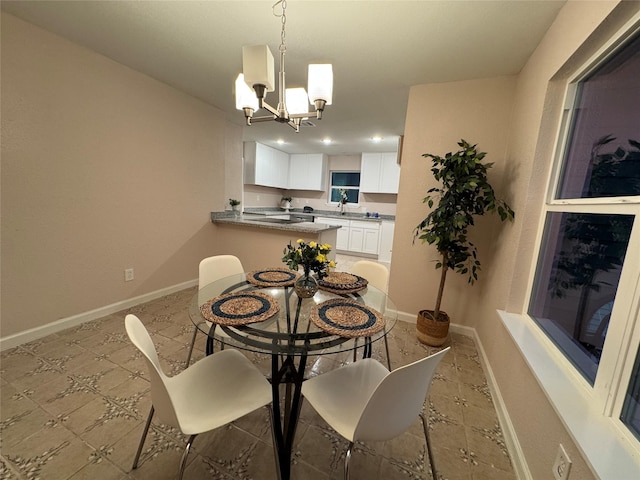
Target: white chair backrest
[(397, 400), (376, 273), (160, 396), (217, 267)]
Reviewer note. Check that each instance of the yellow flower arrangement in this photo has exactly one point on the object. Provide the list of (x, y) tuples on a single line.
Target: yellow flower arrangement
[(311, 256)]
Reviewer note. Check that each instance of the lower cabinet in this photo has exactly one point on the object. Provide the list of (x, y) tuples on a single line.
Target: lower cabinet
[(364, 237), (386, 241), (355, 236), (342, 240)]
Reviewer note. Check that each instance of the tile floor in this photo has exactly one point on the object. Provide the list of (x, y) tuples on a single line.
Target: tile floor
[(73, 406)]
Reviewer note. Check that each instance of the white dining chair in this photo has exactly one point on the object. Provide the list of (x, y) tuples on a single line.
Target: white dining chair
[(211, 269), (377, 275), (211, 393), (363, 401)]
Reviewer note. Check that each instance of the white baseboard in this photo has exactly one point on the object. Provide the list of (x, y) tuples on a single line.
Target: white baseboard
[(64, 323), (520, 466)]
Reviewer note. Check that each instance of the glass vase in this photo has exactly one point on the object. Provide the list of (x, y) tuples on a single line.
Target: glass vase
[(306, 286)]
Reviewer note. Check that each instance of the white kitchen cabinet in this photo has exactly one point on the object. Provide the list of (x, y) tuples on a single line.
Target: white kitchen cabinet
[(386, 241), (355, 236), (265, 166), (307, 171), (281, 169), (342, 234), (379, 173), (356, 239), (364, 237)]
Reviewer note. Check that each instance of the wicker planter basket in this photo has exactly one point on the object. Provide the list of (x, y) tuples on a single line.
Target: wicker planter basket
[(432, 332)]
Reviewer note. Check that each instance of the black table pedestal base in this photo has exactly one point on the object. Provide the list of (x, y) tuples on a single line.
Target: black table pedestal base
[(284, 426)]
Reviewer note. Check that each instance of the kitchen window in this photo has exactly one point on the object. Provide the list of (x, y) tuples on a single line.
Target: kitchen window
[(586, 291), (349, 182)]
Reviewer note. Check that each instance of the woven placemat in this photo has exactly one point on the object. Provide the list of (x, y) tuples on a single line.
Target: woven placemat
[(240, 308), (273, 277), (342, 282), (347, 318)]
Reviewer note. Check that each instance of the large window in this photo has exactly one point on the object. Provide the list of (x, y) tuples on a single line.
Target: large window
[(587, 280), (347, 182)]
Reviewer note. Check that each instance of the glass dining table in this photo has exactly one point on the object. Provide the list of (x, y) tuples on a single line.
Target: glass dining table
[(269, 318)]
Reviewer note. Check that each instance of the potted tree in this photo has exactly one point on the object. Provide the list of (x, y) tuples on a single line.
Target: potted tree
[(464, 193)]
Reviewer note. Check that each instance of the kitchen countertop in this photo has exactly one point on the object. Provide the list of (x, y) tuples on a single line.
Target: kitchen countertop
[(318, 213), (253, 220)]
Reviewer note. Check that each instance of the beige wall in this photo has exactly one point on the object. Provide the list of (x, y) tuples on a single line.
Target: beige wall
[(480, 112), (515, 120), (103, 169)]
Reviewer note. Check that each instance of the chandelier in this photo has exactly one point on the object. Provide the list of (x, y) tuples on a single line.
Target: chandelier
[(258, 78)]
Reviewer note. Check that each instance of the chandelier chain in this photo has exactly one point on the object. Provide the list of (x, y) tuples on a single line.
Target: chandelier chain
[(283, 18)]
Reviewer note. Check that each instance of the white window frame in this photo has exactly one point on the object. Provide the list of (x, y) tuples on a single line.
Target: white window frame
[(591, 414)]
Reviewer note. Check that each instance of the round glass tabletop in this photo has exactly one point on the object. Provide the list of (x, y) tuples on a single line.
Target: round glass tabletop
[(290, 330)]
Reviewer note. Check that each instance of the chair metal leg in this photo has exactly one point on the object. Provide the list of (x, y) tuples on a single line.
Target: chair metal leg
[(144, 437), (386, 346), (193, 341), (185, 454), (355, 348), (347, 459), (425, 426)]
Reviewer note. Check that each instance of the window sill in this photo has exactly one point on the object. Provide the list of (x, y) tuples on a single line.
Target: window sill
[(605, 449)]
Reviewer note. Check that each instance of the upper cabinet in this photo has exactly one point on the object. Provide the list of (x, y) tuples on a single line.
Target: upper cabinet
[(270, 167), (307, 171), (265, 166), (379, 173)]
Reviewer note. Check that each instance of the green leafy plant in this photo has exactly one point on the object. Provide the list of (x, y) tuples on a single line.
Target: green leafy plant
[(464, 193), (311, 256), (233, 202)]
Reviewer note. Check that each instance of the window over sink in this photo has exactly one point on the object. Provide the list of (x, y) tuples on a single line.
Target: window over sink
[(344, 181)]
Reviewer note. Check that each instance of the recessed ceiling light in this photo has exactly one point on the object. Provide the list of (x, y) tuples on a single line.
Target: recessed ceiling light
[(376, 139), (326, 141)]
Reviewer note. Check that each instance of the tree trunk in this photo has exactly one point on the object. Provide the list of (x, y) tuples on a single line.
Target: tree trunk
[(443, 277)]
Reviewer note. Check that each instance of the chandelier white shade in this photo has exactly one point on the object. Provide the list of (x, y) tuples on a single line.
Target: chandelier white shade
[(258, 78), (296, 100), (257, 66), (321, 83), (245, 97)]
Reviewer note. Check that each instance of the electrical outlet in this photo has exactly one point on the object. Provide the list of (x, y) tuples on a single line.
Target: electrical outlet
[(562, 465), (128, 274)]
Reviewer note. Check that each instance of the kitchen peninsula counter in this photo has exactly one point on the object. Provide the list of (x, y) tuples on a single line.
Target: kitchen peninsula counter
[(257, 221), (259, 244)]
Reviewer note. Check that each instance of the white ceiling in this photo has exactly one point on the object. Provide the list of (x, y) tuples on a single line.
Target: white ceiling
[(378, 50)]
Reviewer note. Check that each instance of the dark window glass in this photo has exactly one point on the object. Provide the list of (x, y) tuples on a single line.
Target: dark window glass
[(631, 408), (576, 281), (347, 181), (602, 158)]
